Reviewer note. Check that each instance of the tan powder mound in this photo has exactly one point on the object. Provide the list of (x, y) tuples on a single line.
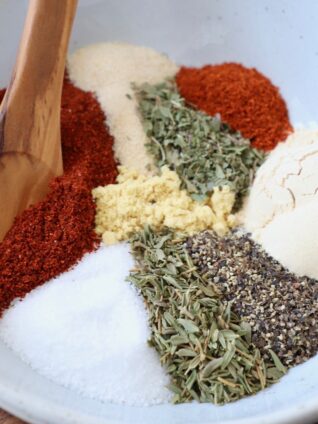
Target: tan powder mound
[(109, 69), (281, 212)]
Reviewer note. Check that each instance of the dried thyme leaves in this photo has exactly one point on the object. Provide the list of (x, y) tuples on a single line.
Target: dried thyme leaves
[(206, 349), (203, 151), (281, 308)]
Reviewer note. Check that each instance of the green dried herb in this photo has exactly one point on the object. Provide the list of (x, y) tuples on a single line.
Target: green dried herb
[(203, 151), (205, 347)]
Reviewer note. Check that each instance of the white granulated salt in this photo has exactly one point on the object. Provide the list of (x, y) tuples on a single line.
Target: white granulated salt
[(87, 330), (108, 69)]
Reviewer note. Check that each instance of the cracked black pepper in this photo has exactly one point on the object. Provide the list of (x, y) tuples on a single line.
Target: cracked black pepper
[(281, 308)]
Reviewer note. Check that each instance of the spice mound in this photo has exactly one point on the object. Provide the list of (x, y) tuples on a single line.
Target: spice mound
[(190, 309), (204, 152), (51, 236), (281, 308), (282, 208), (109, 69), (206, 348), (244, 98), (124, 208), (88, 330)]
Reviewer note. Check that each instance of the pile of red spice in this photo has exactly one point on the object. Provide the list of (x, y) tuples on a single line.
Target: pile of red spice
[(245, 99), (50, 237)]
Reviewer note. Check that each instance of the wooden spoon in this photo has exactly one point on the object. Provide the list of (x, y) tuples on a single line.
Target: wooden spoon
[(30, 141)]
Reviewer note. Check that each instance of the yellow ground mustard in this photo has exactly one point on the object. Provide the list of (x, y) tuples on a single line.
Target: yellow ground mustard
[(124, 208)]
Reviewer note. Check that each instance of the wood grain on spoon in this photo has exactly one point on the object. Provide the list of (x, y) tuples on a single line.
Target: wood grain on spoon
[(30, 142)]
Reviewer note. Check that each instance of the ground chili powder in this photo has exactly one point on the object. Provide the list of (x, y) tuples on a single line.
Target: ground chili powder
[(53, 235), (244, 98)]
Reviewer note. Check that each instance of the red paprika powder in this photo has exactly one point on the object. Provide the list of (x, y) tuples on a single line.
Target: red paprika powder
[(51, 236), (245, 99)]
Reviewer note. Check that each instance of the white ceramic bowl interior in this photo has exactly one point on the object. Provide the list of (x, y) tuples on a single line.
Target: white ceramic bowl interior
[(279, 37)]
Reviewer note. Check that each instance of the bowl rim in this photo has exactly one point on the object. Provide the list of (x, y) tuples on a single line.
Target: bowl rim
[(37, 410)]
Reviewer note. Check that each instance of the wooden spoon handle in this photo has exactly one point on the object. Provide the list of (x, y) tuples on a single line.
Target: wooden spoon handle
[(31, 106), (30, 141)]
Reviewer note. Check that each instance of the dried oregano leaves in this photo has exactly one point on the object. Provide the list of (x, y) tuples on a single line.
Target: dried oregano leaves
[(206, 348), (203, 151)]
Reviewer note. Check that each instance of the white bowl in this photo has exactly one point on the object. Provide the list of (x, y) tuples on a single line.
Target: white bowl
[(279, 37)]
